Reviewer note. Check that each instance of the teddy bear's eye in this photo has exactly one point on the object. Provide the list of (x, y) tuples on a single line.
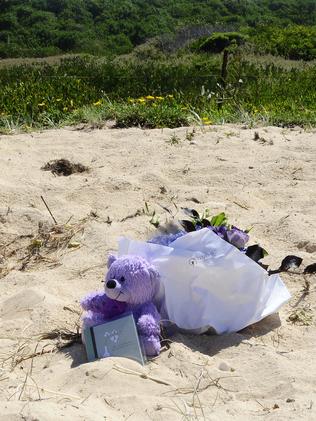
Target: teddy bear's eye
[(122, 279)]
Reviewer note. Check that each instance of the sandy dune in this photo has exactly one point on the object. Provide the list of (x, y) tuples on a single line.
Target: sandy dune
[(267, 371)]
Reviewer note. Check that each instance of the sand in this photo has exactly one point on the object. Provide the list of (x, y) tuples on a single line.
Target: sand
[(266, 371)]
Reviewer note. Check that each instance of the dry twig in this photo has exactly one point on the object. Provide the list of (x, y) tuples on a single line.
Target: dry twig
[(45, 247), (50, 212), (141, 375), (63, 339)]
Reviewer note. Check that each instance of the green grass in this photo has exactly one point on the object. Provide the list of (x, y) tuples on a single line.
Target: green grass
[(164, 92), (147, 113)]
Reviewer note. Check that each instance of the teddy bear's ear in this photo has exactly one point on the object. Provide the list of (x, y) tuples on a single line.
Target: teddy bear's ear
[(111, 259), (154, 274)]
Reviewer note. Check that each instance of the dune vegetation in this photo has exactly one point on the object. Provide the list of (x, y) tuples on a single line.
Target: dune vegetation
[(151, 64)]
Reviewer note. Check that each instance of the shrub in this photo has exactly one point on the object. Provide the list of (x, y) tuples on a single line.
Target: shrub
[(295, 42), (217, 42)]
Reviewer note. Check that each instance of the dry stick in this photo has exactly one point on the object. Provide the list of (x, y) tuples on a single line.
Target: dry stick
[(216, 381), (85, 399), (18, 237), (72, 310), (16, 391), (39, 395), (14, 356), (69, 219), (223, 77), (180, 411), (67, 395), (32, 362), (133, 215), (213, 382), (23, 386), (241, 205), (171, 354), (215, 400), (195, 394), (141, 375), (49, 210), (34, 354), (264, 408), (17, 357)]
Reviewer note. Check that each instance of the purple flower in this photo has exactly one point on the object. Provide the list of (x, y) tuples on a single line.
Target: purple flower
[(234, 236), (221, 231), (237, 237)]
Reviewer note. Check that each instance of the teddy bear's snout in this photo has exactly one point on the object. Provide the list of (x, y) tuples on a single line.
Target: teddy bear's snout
[(111, 284)]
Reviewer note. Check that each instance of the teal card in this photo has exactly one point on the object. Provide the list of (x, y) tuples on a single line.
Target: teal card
[(116, 338)]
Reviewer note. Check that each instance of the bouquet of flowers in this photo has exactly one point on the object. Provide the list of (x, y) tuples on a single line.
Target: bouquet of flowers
[(230, 233), (220, 226), (211, 277)]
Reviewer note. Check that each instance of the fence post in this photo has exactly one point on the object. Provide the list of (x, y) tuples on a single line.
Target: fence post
[(223, 76)]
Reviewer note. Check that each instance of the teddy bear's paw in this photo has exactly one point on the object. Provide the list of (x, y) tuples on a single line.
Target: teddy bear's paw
[(92, 319), (148, 326), (93, 301), (151, 345)]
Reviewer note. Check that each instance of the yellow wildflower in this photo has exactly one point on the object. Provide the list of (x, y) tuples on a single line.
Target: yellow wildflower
[(96, 104), (159, 97), (150, 97), (170, 96), (42, 104), (141, 100)]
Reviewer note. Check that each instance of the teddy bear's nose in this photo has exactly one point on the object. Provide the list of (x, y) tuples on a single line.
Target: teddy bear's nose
[(111, 284)]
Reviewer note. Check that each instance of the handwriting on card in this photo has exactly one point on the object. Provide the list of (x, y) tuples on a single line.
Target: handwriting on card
[(113, 336)]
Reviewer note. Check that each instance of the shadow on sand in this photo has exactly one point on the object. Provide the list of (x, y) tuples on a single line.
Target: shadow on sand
[(208, 344), (211, 344), (76, 353)]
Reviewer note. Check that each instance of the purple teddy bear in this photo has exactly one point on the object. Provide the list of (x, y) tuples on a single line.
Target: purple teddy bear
[(130, 286)]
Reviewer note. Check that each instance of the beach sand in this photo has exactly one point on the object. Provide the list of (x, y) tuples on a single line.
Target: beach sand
[(266, 371)]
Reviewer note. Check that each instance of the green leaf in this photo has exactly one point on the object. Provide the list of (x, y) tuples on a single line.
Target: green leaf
[(154, 221), (219, 220)]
